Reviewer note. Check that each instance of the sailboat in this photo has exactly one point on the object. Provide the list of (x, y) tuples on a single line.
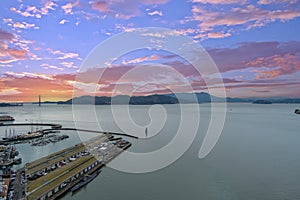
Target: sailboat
[(146, 132)]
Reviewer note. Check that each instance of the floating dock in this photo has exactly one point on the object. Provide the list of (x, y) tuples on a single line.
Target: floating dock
[(7, 156), (52, 176)]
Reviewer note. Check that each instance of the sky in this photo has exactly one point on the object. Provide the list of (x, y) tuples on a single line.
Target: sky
[(44, 43)]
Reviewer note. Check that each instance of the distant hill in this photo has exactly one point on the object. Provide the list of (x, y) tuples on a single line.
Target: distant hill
[(262, 101), (123, 99), (201, 97), (185, 98), (10, 104)]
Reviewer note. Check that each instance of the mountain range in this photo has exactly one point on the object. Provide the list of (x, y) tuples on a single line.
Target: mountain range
[(185, 98)]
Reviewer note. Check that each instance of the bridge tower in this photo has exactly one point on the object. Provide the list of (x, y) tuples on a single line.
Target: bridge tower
[(40, 100)]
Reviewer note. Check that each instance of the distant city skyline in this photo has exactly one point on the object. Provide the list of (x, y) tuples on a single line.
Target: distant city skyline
[(255, 45)]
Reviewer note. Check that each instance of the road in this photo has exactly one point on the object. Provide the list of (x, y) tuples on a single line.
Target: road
[(19, 185)]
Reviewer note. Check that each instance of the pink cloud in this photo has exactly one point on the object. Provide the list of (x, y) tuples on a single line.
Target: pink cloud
[(264, 89), (64, 55), (266, 2), (220, 1), (276, 65), (218, 35), (33, 11), (48, 66), (69, 55), (283, 56), (24, 25), (68, 8), (248, 16), (27, 86), (149, 2), (156, 12), (146, 78), (9, 54), (102, 6), (123, 9), (63, 21), (6, 36), (49, 5), (28, 74), (141, 59), (69, 65), (19, 25)]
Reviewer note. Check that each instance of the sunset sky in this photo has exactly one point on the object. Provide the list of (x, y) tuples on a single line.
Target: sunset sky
[(254, 44)]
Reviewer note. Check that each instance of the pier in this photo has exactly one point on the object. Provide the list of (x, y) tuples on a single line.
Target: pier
[(33, 124), (52, 176), (54, 127), (58, 127), (91, 131)]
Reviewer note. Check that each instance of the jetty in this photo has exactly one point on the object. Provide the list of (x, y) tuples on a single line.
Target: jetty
[(91, 131), (33, 124), (58, 127)]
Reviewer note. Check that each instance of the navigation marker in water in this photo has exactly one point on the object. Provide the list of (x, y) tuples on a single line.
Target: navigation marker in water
[(146, 132)]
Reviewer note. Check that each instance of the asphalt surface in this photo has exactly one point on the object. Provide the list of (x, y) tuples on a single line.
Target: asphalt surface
[(19, 185)]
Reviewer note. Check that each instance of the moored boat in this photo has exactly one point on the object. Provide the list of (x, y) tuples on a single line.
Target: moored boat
[(6, 118), (27, 136), (86, 180)]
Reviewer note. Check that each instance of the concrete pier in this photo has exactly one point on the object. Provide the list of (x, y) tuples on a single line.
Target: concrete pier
[(55, 174)]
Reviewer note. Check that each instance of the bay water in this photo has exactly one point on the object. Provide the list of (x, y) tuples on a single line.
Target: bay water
[(256, 157)]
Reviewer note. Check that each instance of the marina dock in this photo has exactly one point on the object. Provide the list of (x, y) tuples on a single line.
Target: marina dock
[(33, 124), (52, 176)]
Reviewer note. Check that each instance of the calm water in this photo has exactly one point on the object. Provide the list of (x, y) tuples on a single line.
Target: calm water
[(256, 157)]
